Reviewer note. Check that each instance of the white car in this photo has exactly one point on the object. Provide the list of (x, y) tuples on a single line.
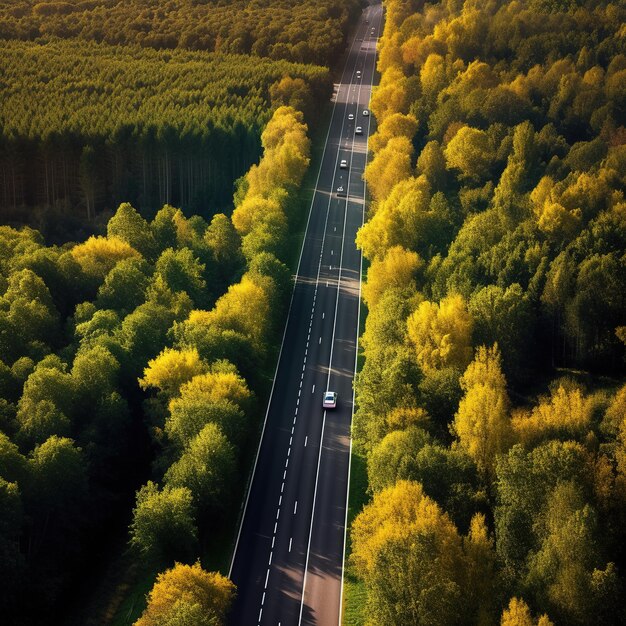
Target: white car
[(365, 112), (330, 400), (358, 130), (350, 116), (341, 192), (358, 73), (343, 164)]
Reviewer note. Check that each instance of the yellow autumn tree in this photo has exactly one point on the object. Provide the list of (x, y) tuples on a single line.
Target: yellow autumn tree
[(391, 96), (410, 555), (565, 413), (559, 223), (470, 153), (441, 333), (398, 269), (616, 413), (388, 167), (481, 567), (98, 255), (244, 308), (402, 418), (518, 614), (398, 219), (433, 76), (395, 125), (253, 211), (186, 594), (171, 369), (285, 158), (482, 423), (219, 384)]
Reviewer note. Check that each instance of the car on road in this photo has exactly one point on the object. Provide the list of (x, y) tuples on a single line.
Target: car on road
[(341, 192), (358, 73), (330, 400), (343, 164), (365, 112), (358, 130), (350, 116)]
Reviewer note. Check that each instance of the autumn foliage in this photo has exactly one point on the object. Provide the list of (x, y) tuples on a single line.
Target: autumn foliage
[(187, 592), (490, 403)]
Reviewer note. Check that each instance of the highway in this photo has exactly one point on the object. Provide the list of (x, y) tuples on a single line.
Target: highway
[(288, 559)]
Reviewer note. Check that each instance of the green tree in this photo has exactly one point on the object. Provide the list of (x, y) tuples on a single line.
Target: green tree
[(207, 468), (130, 227), (182, 271), (224, 243), (124, 287), (564, 570), (28, 317), (47, 402), (395, 458), (495, 312), (13, 466), (11, 560), (524, 481), (163, 527)]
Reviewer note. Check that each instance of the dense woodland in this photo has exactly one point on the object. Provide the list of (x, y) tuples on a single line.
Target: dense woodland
[(86, 125), (491, 404), (294, 30), (134, 362), (161, 328)]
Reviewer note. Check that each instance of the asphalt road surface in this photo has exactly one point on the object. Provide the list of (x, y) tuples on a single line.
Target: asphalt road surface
[(288, 561)]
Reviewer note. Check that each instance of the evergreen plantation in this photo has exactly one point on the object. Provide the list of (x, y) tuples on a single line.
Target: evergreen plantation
[(86, 125), (294, 30)]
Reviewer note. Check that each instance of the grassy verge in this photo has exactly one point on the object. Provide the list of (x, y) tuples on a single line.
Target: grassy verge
[(354, 592), (134, 601)]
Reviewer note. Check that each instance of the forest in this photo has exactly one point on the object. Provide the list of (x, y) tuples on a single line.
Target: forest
[(86, 126), (135, 357), (279, 29), (151, 162), (491, 405)]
